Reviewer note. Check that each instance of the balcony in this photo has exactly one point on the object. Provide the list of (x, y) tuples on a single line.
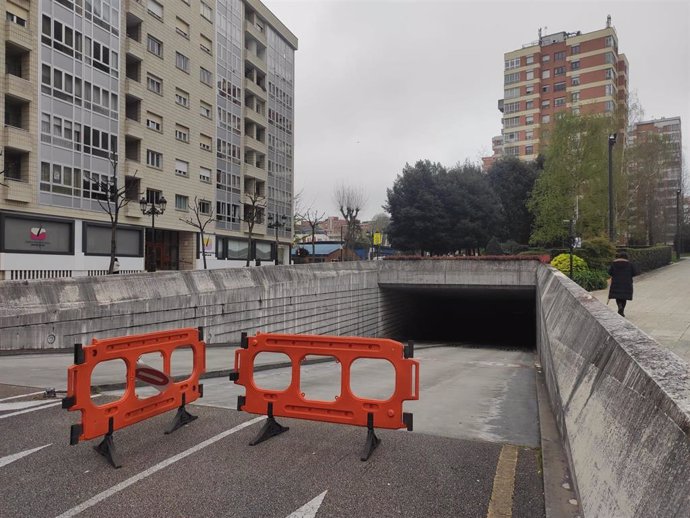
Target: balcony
[(16, 191), (259, 228), (255, 145), (255, 32), (132, 210), (255, 61), (18, 138), (21, 36), (18, 87), (135, 48), (255, 117), (254, 172), (134, 129), (137, 7), (255, 89)]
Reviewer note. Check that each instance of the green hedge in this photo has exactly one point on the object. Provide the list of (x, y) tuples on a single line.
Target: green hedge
[(598, 252), (647, 259)]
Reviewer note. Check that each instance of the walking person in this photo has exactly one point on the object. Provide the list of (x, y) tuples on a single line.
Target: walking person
[(622, 272), (116, 266)]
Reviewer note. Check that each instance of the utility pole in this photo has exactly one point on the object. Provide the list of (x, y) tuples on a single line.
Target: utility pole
[(612, 228)]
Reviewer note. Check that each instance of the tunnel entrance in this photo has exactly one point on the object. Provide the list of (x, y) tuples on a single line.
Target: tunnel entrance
[(502, 317)]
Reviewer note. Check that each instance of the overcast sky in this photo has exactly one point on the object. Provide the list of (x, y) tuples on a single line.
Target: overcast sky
[(382, 83)]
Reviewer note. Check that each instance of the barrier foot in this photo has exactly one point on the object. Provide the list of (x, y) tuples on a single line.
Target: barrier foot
[(182, 417), (271, 428), (372, 441), (107, 449)]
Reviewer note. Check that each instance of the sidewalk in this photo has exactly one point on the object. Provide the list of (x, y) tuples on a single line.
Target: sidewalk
[(661, 306)]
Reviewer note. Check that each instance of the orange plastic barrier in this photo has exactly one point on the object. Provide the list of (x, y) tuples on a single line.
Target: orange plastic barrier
[(98, 420), (347, 408)]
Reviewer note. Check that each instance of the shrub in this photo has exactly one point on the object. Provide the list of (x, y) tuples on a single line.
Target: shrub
[(535, 251), (493, 247), (513, 247), (591, 279), (598, 252), (562, 262), (647, 259)]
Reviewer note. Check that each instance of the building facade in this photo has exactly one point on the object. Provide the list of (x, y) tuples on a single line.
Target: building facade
[(657, 201), (582, 73), (189, 101)]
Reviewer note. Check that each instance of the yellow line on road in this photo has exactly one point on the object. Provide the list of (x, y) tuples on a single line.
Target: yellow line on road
[(501, 503)]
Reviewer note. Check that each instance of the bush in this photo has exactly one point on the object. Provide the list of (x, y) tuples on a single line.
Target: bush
[(493, 247), (647, 259), (591, 279), (562, 262), (598, 252), (535, 251), (513, 247)]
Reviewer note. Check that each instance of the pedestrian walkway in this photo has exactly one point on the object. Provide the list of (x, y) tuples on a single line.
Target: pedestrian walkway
[(661, 306)]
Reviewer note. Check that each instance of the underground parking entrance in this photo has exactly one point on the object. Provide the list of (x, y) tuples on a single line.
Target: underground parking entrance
[(496, 317)]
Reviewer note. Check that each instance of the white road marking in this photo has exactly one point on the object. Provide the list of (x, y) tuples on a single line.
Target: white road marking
[(309, 509), (18, 405), (4, 461), (155, 468), (26, 411), (23, 395)]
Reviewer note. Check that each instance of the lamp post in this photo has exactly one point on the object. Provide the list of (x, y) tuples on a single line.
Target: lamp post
[(612, 228), (154, 208), (679, 229), (273, 222)]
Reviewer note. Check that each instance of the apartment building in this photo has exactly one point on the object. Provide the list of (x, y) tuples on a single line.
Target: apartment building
[(658, 216), (186, 101), (580, 72)]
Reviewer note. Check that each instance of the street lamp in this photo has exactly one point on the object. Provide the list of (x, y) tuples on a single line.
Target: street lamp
[(679, 229), (154, 208), (612, 229), (276, 224)]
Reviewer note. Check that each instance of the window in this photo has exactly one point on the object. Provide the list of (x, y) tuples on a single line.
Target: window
[(154, 122), (155, 84), (529, 120), (154, 158), (575, 49), (510, 93), (205, 109), (181, 133), (529, 150), (181, 167), (545, 89), (609, 106), (182, 62), (181, 202), (511, 122), (206, 11), (559, 87), (559, 101), (154, 46), (512, 78), (546, 119), (559, 71), (11, 17), (608, 90), (609, 42), (529, 89), (575, 97), (529, 135), (545, 104), (205, 76), (205, 142), (512, 151), (182, 97), (45, 123), (512, 63), (205, 44), (529, 59), (510, 137), (511, 107), (610, 58), (155, 9), (559, 56), (610, 74), (545, 58), (529, 75), (204, 206), (529, 105), (545, 74), (575, 80), (575, 110), (575, 65), (204, 176), (182, 27)]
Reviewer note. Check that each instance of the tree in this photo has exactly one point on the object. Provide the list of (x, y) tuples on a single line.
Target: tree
[(380, 222), (574, 182), (202, 215), (313, 218), (112, 200), (254, 207), (350, 201), (513, 180)]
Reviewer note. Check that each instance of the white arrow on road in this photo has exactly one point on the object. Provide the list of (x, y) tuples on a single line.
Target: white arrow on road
[(309, 509), (4, 461)]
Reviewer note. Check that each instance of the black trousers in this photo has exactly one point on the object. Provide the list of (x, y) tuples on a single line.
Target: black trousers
[(621, 306)]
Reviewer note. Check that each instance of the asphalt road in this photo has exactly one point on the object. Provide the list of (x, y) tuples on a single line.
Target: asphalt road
[(475, 402)]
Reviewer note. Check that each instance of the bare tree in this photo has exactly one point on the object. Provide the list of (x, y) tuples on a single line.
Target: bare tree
[(313, 218), (112, 200), (3, 172), (201, 215), (254, 208), (350, 201)]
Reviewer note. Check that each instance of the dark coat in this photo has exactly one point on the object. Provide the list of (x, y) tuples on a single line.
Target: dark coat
[(622, 272)]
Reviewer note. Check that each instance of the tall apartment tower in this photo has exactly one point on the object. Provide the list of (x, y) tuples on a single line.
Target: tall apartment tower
[(583, 73), (189, 101), (662, 217)]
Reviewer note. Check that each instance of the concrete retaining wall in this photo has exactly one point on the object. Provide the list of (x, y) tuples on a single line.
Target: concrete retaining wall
[(622, 404)]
